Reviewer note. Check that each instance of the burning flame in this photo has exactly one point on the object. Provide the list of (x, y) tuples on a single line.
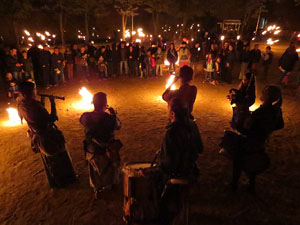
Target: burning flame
[(14, 119), (86, 102), (170, 81)]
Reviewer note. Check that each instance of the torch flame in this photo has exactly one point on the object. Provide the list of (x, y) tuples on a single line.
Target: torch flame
[(14, 119), (86, 102), (170, 81)]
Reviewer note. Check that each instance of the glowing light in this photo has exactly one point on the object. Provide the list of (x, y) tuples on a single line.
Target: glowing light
[(27, 32), (170, 81), (92, 42), (254, 107), (222, 38), (133, 32), (47, 33), (14, 119), (298, 50), (43, 37), (53, 35), (30, 39), (277, 32), (86, 101), (264, 32), (167, 63), (38, 34), (192, 39), (271, 42), (127, 34), (238, 37), (138, 40), (118, 30), (40, 46)]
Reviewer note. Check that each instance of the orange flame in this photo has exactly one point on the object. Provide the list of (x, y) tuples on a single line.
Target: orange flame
[(14, 119), (170, 81), (86, 102)]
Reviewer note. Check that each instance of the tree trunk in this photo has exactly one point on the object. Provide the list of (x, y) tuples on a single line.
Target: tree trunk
[(61, 26), (124, 22), (154, 21), (15, 27), (86, 21)]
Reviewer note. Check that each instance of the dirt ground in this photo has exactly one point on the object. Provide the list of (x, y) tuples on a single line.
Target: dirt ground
[(25, 197)]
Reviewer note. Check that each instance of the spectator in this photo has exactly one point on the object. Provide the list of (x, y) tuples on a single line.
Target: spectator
[(109, 64), (132, 61), (172, 57), (255, 56), (13, 65), (218, 72), (69, 59), (115, 60), (83, 69), (123, 58), (148, 63), (245, 60), (11, 86), (268, 57), (195, 56), (45, 62), (229, 60), (102, 69), (160, 58), (184, 55), (27, 66), (76, 58), (209, 69), (57, 67)]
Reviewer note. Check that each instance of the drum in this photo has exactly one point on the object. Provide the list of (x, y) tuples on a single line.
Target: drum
[(141, 191)]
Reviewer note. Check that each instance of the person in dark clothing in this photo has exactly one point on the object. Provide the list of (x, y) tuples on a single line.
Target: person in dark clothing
[(27, 66), (132, 61), (83, 67), (33, 54), (77, 59), (177, 159), (247, 149), (123, 52), (46, 139), (287, 62), (57, 69), (241, 99), (195, 57), (245, 60), (267, 61), (115, 60), (186, 92), (229, 62), (101, 147), (213, 52), (13, 65), (69, 59), (142, 65), (255, 56), (172, 57), (11, 85), (45, 62), (109, 59)]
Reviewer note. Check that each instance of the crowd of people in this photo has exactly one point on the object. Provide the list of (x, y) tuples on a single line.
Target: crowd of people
[(217, 59)]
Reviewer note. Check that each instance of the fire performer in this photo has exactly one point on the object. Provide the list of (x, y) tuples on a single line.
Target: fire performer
[(45, 137), (100, 146), (247, 149), (186, 92), (181, 145), (241, 99)]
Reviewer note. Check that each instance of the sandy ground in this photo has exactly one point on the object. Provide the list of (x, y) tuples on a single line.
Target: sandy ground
[(25, 197)]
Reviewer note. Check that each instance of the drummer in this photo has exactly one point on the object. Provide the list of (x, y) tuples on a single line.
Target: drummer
[(181, 145), (186, 92)]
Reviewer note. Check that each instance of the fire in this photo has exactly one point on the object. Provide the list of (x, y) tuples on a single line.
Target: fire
[(87, 98), (254, 107), (298, 50), (170, 81), (14, 119)]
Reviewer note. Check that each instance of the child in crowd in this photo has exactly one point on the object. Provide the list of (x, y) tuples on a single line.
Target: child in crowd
[(148, 63), (209, 69), (153, 65), (12, 87), (102, 70)]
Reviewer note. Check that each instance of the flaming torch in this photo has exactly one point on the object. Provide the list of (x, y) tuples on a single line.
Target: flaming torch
[(170, 82), (86, 102), (14, 119)]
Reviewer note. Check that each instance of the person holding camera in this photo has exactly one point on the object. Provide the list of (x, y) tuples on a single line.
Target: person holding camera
[(100, 146), (46, 139)]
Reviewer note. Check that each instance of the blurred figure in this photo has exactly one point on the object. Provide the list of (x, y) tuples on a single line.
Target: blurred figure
[(184, 55), (69, 59), (267, 61), (132, 61), (229, 62), (172, 57), (209, 69), (11, 86), (27, 66), (83, 68), (57, 67), (45, 62), (13, 64), (255, 56), (102, 68), (195, 57), (245, 60), (287, 62), (123, 58), (115, 60), (160, 59)]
